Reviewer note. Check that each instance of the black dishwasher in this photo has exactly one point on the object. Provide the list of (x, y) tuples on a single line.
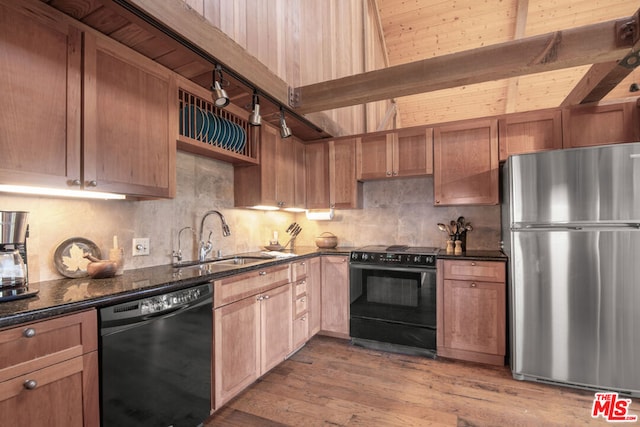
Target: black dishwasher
[(155, 360)]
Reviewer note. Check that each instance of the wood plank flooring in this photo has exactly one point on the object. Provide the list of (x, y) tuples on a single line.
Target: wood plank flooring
[(333, 383)]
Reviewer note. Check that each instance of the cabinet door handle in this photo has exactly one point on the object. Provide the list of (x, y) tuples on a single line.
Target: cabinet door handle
[(473, 285), (473, 264), (75, 183), (388, 173), (29, 333), (266, 297), (30, 384), (395, 173), (262, 273), (303, 318), (301, 299), (92, 183), (259, 298), (302, 264)]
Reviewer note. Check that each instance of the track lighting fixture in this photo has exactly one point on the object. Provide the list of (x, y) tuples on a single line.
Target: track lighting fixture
[(254, 118), (220, 97), (285, 132)]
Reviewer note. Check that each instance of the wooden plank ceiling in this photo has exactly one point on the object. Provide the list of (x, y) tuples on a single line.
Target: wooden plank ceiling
[(419, 29), (414, 30)]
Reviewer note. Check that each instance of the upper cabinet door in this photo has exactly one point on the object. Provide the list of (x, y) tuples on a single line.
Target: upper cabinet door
[(466, 163), (401, 153), (317, 162), (40, 65), (530, 132), (374, 156), (413, 152), (130, 121), (600, 124)]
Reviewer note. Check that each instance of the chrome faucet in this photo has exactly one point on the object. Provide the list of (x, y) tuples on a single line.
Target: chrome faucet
[(178, 254), (205, 248)]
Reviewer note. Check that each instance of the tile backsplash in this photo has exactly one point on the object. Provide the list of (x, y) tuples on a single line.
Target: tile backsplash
[(395, 212)]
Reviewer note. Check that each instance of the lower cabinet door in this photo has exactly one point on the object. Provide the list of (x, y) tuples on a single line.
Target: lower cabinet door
[(276, 313), (236, 343), (474, 318), (64, 394)]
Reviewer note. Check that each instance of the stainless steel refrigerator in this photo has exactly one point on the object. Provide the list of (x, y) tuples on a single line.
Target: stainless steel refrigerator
[(571, 229)]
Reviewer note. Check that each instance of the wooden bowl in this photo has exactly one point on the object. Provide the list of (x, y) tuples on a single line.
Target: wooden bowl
[(326, 241)]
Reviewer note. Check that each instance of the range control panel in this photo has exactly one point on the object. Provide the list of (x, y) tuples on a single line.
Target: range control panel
[(391, 258)]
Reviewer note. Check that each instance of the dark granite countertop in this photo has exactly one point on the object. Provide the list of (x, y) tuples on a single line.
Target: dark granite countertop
[(480, 255), (62, 296)]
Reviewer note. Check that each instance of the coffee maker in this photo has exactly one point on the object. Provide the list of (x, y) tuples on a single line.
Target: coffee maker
[(14, 280)]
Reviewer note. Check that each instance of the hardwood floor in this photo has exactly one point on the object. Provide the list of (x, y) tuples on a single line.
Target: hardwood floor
[(332, 383)]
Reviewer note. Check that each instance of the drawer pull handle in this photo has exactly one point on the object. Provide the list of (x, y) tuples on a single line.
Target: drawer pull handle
[(30, 384), (263, 273), (29, 333), (473, 264), (473, 285)]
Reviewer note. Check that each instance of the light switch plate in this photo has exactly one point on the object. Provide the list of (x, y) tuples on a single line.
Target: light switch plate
[(140, 246)]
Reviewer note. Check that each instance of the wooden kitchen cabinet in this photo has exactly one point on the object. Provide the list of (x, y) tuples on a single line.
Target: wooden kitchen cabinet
[(335, 296), (314, 290), (130, 126), (49, 372), (41, 68), (278, 180), (77, 114), (530, 132), (465, 170), (252, 328), (331, 175), (403, 153), (471, 314), (589, 125)]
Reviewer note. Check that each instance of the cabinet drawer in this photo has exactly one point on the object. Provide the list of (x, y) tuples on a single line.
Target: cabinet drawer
[(301, 306), (300, 288), (298, 270), (237, 287), (486, 271), (34, 346)]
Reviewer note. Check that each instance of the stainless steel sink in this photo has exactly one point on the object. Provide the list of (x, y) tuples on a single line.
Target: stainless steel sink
[(241, 260), (237, 260)]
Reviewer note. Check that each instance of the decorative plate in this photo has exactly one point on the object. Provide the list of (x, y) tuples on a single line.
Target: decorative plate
[(69, 256)]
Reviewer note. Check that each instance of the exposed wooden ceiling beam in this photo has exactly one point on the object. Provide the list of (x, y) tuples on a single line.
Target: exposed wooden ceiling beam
[(589, 82), (585, 45)]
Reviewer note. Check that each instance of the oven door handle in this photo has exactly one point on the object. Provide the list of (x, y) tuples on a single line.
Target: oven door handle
[(391, 268)]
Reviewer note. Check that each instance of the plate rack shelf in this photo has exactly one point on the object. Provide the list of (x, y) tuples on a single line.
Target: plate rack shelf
[(213, 132)]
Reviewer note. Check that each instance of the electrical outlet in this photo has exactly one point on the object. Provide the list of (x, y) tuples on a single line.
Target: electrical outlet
[(140, 246)]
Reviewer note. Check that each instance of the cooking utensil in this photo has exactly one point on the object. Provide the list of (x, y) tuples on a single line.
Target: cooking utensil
[(468, 227), (442, 227)]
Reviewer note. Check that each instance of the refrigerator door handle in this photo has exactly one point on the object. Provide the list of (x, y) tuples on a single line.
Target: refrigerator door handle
[(575, 227)]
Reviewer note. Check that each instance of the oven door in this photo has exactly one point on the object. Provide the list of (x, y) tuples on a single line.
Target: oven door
[(395, 305)]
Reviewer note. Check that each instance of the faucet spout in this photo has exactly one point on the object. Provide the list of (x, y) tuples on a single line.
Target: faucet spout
[(205, 248)]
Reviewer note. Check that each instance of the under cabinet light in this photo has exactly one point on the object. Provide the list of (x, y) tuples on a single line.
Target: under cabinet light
[(58, 192), (265, 208)]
